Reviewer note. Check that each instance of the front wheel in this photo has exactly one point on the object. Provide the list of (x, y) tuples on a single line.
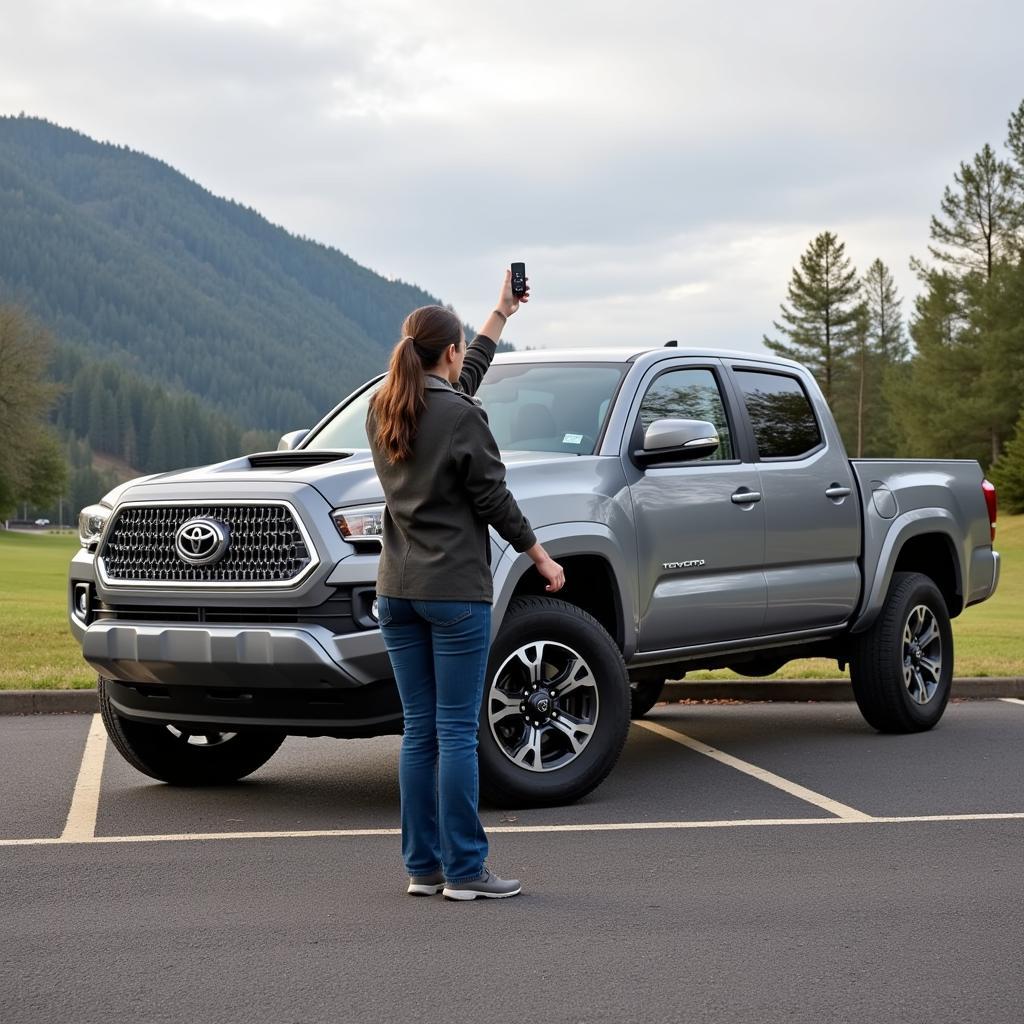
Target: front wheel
[(901, 668), (556, 705), (187, 755)]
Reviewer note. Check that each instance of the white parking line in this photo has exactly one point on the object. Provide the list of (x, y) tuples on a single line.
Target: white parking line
[(85, 801), (615, 826), (1012, 700), (792, 788)]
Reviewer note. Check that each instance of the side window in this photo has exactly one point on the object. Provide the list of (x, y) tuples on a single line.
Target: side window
[(689, 395), (780, 412)]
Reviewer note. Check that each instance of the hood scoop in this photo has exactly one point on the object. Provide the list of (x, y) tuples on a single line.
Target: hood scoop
[(296, 459)]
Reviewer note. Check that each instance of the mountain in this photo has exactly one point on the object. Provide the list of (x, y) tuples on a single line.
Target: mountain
[(146, 276)]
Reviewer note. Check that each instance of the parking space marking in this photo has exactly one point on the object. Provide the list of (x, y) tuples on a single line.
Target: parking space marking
[(792, 788), (616, 826), (1012, 700), (85, 801)]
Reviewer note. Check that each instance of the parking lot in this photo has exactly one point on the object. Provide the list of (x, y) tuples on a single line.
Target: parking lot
[(744, 862)]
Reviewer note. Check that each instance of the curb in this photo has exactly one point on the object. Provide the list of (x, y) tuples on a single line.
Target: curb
[(39, 702), (84, 701)]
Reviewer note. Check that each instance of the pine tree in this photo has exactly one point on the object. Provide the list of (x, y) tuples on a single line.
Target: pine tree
[(884, 352), (980, 217), (885, 325), (822, 318), (1007, 472), (1015, 144)]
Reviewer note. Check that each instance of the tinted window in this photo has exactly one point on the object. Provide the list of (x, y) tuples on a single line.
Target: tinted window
[(688, 395), (780, 413)]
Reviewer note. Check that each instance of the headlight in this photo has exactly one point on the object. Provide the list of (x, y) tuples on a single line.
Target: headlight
[(91, 521), (361, 523)]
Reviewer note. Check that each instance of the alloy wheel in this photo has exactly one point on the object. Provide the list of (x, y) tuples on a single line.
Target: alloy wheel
[(542, 706), (922, 654)]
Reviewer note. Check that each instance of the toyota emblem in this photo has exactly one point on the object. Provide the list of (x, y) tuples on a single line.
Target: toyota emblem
[(201, 541)]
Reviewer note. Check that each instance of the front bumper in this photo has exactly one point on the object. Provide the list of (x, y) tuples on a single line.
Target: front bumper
[(203, 655), (289, 678)]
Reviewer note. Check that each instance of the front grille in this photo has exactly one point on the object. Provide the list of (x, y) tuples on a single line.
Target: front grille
[(266, 545)]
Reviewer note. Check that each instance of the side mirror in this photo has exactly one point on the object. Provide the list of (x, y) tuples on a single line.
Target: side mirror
[(291, 440), (677, 441)]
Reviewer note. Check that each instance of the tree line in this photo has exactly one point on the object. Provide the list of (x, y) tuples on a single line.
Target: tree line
[(948, 382)]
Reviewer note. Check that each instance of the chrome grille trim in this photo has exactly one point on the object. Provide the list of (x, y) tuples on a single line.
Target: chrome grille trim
[(201, 507)]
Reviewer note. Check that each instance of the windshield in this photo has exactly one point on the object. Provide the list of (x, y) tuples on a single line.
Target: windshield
[(531, 407)]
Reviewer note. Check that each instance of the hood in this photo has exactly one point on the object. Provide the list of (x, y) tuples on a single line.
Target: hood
[(347, 479)]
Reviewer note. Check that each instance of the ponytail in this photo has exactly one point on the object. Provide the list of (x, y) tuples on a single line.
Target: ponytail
[(398, 403), (397, 406)]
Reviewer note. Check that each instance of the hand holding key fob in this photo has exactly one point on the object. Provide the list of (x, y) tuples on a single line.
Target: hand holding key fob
[(518, 280)]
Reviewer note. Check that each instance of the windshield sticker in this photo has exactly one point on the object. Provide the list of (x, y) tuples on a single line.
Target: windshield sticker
[(572, 439)]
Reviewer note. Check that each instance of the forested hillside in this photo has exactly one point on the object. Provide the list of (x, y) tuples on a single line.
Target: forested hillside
[(185, 328), (128, 261)]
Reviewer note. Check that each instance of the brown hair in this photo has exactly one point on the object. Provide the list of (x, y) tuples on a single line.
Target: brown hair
[(426, 333)]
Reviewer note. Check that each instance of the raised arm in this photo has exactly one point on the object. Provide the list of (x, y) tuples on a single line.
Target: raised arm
[(481, 350)]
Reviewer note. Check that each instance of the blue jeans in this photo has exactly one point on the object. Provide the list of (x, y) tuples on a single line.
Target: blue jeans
[(438, 650)]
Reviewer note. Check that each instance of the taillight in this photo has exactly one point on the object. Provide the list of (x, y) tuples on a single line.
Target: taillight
[(990, 501)]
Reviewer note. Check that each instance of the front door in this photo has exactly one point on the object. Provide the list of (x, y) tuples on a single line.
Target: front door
[(699, 524)]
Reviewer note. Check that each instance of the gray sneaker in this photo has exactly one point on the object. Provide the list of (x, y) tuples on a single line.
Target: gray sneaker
[(426, 885), (488, 885)]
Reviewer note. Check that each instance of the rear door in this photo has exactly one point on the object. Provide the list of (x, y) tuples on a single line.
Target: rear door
[(811, 507), (699, 524)]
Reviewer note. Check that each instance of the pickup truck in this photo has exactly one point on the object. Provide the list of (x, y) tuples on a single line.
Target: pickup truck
[(700, 501)]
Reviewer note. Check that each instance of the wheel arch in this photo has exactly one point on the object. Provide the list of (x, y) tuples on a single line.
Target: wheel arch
[(597, 578), (924, 541)]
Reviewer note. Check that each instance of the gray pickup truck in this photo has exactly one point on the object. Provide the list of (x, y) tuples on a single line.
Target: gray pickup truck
[(701, 503)]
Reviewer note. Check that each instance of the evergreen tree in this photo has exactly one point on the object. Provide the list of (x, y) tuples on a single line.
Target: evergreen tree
[(884, 352), (821, 321), (980, 217), (1015, 144), (964, 387), (885, 320), (1007, 472)]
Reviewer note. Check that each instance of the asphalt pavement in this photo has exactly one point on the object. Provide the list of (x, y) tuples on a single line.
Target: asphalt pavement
[(744, 862)]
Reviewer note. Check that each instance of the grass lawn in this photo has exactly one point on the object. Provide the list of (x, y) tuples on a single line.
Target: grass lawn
[(39, 653), (38, 649)]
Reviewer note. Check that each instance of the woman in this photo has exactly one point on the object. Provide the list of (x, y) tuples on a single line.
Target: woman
[(444, 483)]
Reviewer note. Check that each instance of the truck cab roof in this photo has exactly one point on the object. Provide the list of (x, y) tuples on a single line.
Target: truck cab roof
[(635, 354)]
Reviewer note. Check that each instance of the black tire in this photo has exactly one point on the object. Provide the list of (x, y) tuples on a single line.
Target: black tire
[(552, 633), (167, 751), (889, 678), (643, 695)]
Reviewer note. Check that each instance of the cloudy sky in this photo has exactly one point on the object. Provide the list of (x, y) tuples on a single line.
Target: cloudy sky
[(658, 165)]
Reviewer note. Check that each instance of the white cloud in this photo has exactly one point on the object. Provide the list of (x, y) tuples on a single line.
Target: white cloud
[(659, 167)]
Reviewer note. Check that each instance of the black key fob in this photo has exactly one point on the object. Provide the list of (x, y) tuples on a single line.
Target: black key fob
[(518, 280)]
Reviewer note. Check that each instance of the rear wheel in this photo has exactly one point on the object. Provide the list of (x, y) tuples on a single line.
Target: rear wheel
[(902, 667), (187, 754), (555, 708)]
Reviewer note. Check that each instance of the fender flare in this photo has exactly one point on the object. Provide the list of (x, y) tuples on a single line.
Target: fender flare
[(916, 522), (566, 540)]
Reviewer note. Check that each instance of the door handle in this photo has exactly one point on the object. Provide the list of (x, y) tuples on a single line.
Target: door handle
[(837, 491), (745, 497)]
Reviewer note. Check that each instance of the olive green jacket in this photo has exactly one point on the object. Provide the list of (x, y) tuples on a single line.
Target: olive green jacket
[(442, 499)]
